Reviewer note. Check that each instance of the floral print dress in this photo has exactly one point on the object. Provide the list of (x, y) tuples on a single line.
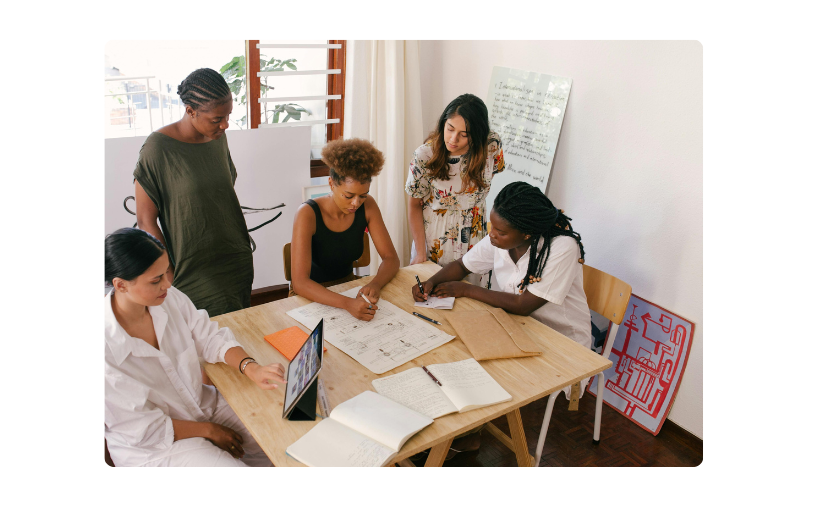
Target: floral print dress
[(454, 221)]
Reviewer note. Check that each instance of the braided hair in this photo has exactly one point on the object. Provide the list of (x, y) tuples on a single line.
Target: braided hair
[(203, 87), (527, 210)]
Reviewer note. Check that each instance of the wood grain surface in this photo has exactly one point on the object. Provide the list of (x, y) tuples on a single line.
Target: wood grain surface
[(561, 363)]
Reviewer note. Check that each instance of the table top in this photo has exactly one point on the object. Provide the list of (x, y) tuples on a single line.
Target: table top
[(561, 363)]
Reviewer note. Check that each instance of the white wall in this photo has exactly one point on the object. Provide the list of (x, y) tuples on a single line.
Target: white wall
[(272, 165), (628, 166)]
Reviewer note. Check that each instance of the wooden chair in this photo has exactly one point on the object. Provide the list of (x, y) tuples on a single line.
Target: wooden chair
[(363, 261), (607, 296)]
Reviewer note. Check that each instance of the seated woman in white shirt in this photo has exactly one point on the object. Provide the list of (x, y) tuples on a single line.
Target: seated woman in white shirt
[(536, 258), (158, 411)]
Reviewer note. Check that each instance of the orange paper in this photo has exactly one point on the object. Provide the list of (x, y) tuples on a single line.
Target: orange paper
[(288, 341)]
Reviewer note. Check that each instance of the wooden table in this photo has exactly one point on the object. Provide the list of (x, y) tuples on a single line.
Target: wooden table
[(561, 363)]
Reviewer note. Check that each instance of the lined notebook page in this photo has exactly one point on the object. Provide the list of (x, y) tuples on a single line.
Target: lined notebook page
[(380, 418), (415, 389), (468, 385), (330, 444)]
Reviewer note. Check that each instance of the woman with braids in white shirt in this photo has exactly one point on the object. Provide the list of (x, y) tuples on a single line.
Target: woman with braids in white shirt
[(158, 411), (536, 258)]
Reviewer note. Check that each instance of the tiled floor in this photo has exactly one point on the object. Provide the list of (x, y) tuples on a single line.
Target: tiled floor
[(569, 441)]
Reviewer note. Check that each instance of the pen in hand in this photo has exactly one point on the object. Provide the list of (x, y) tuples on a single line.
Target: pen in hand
[(367, 300), (420, 287)]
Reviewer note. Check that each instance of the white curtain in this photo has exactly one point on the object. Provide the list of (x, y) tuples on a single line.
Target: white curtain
[(383, 104)]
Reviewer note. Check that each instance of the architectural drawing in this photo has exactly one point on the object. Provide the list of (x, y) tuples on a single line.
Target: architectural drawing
[(392, 338)]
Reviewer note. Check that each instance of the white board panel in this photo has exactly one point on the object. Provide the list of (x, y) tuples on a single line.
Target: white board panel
[(526, 109), (273, 167)]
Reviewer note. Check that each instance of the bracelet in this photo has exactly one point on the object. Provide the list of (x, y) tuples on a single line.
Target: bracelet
[(245, 364), (241, 362)]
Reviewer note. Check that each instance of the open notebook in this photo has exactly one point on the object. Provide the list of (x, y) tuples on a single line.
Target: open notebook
[(365, 431), (437, 303), (464, 385)]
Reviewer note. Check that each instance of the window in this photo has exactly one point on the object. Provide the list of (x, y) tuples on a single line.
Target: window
[(300, 82)]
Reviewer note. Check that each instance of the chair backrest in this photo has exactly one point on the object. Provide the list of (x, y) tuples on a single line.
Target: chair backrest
[(606, 295), (363, 261)]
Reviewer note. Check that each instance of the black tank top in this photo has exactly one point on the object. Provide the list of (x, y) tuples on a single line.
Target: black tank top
[(334, 252)]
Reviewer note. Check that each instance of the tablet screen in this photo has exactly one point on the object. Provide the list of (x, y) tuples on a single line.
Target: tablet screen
[(304, 368)]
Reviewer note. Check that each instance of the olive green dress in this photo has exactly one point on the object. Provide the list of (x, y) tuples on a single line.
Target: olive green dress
[(193, 187)]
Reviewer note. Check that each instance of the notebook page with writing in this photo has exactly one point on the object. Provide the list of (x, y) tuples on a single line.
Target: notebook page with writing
[(380, 418), (330, 444), (468, 385), (415, 389)]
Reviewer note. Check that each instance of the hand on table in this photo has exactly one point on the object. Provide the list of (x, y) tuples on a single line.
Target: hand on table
[(419, 258), (361, 309), (226, 439), (450, 289), (428, 289), (265, 376)]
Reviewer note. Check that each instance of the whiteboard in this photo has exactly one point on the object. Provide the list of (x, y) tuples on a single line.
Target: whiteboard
[(273, 167), (526, 109)]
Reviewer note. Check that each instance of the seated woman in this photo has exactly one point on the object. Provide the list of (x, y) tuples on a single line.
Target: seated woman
[(536, 261), (158, 413), (328, 233)]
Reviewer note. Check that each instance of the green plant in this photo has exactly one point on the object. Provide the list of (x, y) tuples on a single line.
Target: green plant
[(234, 73)]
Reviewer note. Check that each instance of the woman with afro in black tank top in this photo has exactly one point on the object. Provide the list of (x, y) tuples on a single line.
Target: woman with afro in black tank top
[(328, 233)]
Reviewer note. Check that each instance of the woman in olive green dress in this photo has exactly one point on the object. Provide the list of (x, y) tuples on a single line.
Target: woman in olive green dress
[(185, 177)]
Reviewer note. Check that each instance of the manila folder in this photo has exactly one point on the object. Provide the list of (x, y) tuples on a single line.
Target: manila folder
[(492, 334)]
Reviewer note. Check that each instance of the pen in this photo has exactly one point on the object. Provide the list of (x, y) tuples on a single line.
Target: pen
[(430, 374), (425, 318), (420, 287), (367, 300)]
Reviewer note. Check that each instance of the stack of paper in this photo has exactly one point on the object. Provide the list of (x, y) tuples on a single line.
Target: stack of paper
[(438, 303)]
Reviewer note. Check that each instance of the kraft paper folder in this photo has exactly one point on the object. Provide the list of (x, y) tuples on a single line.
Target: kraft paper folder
[(492, 334), (288, 341)]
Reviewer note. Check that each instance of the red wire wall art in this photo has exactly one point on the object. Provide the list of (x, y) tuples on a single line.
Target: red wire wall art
[(649, 356)]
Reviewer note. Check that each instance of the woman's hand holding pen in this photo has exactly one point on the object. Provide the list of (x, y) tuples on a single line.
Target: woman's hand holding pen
[(418, 295), (371, 292), (361, 308), (265, 376)]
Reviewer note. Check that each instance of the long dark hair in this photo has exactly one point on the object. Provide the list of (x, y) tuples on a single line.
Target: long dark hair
[(129, 252), (474, 112), (527, 210), (203, 87)]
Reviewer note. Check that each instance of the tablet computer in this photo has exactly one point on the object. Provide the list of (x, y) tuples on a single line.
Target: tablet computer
[(304, 368)]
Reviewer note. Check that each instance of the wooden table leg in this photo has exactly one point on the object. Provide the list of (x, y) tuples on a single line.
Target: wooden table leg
[(438, 454), (523, 456), (405, 463)]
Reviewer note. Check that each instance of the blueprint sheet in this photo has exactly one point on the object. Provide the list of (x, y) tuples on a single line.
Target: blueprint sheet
[(392, 338)]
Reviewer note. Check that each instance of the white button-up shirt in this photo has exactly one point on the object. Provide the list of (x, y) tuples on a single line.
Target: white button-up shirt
[(561, 284), (146, 388)]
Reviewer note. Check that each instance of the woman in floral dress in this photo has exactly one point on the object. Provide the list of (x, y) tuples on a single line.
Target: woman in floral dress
[(449, 179)]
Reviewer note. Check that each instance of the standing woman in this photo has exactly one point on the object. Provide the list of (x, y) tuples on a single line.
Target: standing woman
[(185, 176), (449, 179)]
